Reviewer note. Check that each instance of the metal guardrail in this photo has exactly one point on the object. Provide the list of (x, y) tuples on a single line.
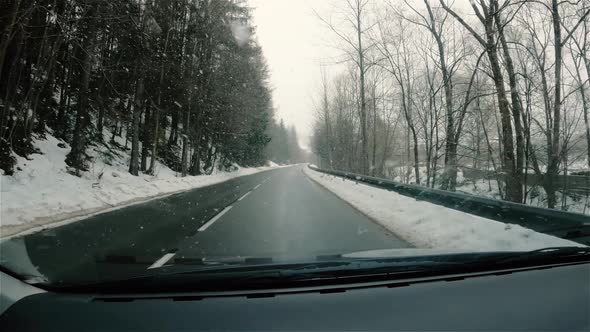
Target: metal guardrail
[(566, 225)]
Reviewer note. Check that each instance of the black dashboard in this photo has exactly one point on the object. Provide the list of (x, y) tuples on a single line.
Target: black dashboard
[(548, 299)]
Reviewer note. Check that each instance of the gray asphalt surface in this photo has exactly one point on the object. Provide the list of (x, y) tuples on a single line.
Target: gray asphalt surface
[(278, 214), (289, 215)]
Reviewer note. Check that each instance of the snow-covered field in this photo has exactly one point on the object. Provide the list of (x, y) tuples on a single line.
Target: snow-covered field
[(489, 188), (42, 192), (427, 225)]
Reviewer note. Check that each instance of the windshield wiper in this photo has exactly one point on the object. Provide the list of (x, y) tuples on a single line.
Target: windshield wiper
[(329, 272), (550, 255), (233, 276)]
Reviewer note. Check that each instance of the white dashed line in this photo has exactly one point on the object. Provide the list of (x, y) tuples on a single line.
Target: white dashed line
[(163, 260), (246, 194), (214, 219)]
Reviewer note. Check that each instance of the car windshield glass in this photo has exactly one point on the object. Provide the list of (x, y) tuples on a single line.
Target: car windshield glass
[(149, 139)]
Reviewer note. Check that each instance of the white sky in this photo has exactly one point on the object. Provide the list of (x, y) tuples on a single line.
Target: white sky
[(291, 38), (295, 43)]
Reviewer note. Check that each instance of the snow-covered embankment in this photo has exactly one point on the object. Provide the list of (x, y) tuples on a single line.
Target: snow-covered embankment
[(428, 225), (42, 192)]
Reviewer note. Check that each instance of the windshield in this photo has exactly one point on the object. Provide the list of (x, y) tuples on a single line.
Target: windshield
[(147, 138)]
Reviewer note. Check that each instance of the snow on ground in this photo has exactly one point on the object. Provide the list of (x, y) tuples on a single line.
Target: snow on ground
[(489, 188), (42, 192), (536, 195), (427, 225)]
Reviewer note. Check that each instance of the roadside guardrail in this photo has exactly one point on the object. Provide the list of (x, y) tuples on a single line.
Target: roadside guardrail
[(566, 225)]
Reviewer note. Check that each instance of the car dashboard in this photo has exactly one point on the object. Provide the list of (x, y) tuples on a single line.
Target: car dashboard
[(555, 298)]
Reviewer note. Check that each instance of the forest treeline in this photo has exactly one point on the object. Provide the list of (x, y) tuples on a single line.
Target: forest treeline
[(432, 87), (184, 82)]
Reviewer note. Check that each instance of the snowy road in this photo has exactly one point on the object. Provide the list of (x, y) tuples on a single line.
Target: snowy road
[(279, 214)]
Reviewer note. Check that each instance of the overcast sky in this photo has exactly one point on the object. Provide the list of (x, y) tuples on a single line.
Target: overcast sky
[(295, 43)]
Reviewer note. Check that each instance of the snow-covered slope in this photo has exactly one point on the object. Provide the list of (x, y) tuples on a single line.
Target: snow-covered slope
[(427, 225), (43, 192)]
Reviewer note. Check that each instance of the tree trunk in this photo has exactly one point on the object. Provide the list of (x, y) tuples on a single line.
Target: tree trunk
[(554, 149), (326, 118), (513, 191), (195, 168), (363, 110), (184, 166), (145, 139), (157, 112), (100, 121), (173, 138), (408, 169), (156, 121), (416, 156), (138, 104), (586, 107), (115, 128), (374, 157), (64, 96), (449, 181), (516, 112), (78, 147)]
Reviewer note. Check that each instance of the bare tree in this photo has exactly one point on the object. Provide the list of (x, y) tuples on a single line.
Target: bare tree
[(401, 68), (435, 26), (487, 13), (580, 56), (539, 49), (355, 16)]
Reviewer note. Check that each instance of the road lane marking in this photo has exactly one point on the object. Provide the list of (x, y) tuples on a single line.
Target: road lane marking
[(246, 194), (163, 260), (258, 186), (214, 219)]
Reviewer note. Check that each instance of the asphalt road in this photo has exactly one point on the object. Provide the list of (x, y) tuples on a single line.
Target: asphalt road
[(279, 214)]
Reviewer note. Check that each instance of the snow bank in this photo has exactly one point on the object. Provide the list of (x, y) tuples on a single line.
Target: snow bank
[(427, 225), (43, 192)]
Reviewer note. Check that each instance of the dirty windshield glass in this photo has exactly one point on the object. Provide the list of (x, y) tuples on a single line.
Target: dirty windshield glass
[(142, 138)]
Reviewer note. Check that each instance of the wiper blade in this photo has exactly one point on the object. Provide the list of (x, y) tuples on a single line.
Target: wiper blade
[(548, 255), (232, 277), (229, 277)]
